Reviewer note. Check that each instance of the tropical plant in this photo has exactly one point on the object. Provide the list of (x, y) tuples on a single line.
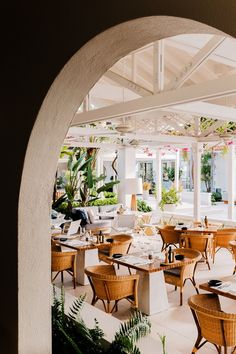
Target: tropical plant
[(70, 334), (206, 170), (170, 171), (163, 342), (170, 196), (143, 206), (80, 181), (216, 197)]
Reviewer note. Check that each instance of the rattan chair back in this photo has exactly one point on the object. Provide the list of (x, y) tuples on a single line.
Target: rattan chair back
[(213, 324), (169, 236), (107, 286), (64, 261), (196, 241), (185, 272)]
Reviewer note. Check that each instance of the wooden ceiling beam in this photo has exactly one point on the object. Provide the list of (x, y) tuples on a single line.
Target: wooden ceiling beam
[(224, 86), (196, 61)]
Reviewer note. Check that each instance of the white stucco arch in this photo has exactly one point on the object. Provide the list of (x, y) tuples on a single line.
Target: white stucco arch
[(57, 111)]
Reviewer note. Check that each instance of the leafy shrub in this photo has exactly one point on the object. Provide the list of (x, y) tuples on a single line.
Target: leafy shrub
[(70, 334), (109, 194), (143, 206), (216, 197), (170, 196), (63, 207), (105, 201)]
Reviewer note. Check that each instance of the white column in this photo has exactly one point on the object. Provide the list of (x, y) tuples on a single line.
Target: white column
[(158, 175), (196, 148), (126, 163), (231, 181), (177, 170)]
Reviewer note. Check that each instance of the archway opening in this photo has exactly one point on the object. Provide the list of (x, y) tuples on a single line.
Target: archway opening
[(56, 114)]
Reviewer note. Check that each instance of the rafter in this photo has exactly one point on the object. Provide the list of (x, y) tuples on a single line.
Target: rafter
[(196, 61), (175, 125), (208, 110), (212, 128), (158, 66), (130, 85), (221, 87)]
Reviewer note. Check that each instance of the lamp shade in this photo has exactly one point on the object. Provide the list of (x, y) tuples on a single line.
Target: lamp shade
[(133, 186)]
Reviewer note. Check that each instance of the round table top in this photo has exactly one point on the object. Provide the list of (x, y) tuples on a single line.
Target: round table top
[(232, 243)]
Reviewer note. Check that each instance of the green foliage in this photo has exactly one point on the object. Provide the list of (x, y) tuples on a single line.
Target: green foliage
[(170, 171), (63, 207), (206, 170), (170, 196), (130, 332), (105, 201), (80, 180), (163, 342), (216, 197), (109, 194), (70, 334), (143, 206)]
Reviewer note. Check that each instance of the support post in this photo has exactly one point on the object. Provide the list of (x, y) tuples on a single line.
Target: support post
[(177, 170), (196, 148), (126, 168), (159, 176), (231, 181)]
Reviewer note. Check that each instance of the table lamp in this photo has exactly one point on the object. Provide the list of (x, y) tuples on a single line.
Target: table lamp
[(133, 186)]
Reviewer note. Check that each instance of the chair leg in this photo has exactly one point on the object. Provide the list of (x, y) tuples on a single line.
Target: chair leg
[(194, 284), (195, 348), (175, 287), (181, 296), (207, 261), (62, 276), (74, 282)]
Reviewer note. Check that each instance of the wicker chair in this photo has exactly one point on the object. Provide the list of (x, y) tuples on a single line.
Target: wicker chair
[(121, 244), (216, 326), (64, 261), (222, 239), (169, 236), (107, 286), (199, 242), (178, 276), (233, 250)]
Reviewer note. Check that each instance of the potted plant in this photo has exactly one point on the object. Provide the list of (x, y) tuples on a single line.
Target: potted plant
[(146, 188), (170, 198), (70, 334)]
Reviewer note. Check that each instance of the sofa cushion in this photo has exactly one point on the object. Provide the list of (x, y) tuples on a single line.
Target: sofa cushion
[(80, 214), (91, 215)]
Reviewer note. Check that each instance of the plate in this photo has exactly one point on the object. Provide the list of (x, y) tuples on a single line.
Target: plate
[(117, 255), (214, 282)]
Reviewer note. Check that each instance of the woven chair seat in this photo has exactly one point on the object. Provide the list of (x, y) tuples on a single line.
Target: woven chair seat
[(175, 272)]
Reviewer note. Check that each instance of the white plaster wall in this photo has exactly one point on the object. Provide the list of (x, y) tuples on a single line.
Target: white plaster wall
[(56, 113)]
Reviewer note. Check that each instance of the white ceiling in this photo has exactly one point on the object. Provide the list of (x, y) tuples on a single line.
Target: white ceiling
[(166, 66)]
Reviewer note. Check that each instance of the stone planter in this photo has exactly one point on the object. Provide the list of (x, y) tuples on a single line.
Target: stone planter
[(145, 194), (169, 207)]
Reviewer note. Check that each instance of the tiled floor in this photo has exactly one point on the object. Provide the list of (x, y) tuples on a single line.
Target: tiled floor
[(176, 323)]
